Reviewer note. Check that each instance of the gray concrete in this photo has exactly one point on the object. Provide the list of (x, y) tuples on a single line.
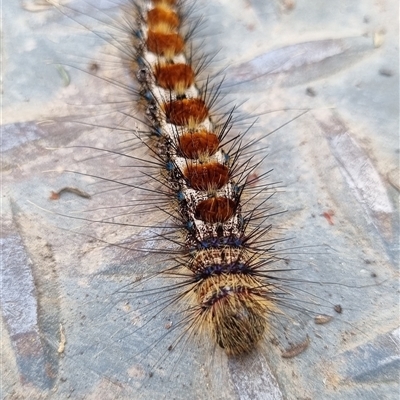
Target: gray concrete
[(75, 327)]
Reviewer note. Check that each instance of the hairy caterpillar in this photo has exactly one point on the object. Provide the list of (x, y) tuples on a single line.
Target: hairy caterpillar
[(229, 292), (104, 367)]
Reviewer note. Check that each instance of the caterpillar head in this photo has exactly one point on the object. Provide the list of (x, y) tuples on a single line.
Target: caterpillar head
[(235, 309)]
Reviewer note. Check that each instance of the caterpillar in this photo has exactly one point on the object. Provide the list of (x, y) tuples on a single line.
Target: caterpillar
[(229, 293), (98, 356)]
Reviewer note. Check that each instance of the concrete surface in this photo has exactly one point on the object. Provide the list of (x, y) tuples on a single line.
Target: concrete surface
[(69, 327)]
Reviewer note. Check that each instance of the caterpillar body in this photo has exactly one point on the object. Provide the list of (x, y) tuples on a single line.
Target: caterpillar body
[(192, 268), (227, 292)]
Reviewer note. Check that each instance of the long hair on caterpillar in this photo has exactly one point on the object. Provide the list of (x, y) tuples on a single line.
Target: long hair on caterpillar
[(95, 274)]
